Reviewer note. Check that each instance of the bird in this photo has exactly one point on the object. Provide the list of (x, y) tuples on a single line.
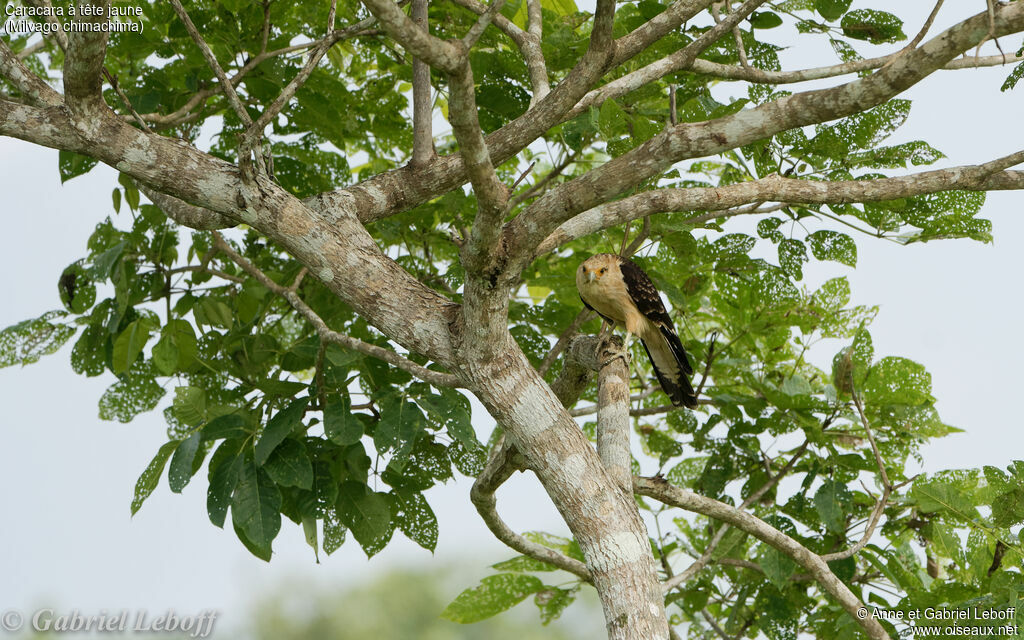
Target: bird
[(619, 291)]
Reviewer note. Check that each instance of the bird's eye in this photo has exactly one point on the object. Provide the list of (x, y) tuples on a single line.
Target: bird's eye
[(604, 269)]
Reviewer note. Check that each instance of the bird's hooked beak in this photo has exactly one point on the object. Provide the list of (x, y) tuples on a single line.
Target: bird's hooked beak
[(590, 275)]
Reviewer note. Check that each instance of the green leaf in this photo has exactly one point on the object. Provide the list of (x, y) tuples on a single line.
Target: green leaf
[(225, 467), (29, 340), (256, 506), (831, 9), (416, 519), (289, 465), (151, 476), (832, 245), (1008, 508), (279, 427), (135, 392), (129, 344), (450, 410), (177, 348), (877, 27), (367, 514), (400, 424), (778, 567), (229, 425), (116, 196), (830, 502), (495, 594), (181, 469), (894, 380), (77, 291), (765, 20), (552, 601), (339, 424), (334, 532), (73, 164)]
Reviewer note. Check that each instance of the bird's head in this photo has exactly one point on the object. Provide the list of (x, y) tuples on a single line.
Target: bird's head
[(595, 267)]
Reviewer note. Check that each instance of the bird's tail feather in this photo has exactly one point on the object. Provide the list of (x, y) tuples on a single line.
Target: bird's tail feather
[(671, 366)]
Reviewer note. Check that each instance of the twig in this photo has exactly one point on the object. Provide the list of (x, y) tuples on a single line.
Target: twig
[(501, 464), (478, 27)]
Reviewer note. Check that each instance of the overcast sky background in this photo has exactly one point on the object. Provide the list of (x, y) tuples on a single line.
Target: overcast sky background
[(67, 478)]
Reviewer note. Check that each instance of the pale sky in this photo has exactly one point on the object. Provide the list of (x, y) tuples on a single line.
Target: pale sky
[(67, 477)]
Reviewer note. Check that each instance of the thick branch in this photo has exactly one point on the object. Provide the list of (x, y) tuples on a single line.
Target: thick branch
[(434, 51), (83, 65), (422, 113), (32, 86), (500, 466), (707, 138), (678, 60), (613, 413), (660, 490), (778, 189), (186, 214)]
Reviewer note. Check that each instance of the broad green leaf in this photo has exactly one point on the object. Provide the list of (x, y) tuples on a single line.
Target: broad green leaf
[(416, 519), (177, 348), (778, 567), (180, 471), (831, 9), (129, 344), (894, 380), (135, 392), (367, 514), (400, 424), (339, 423), (256, 506), (765, 20), (552, 601), (877, 27), (289, 465), (225, 467), (27, 341), (831, 501), (334, 532), (73, 164), (151, 476), (279, 427), (832, 245), (494, 594), (77, 291)]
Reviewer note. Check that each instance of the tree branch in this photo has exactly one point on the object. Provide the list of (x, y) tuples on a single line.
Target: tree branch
[(613, 413), (679, 60), (434, 51), (184, 213), (501, 464), (83, 64), (435, 378), (774, 188), (422, 111), (478, 27), (662, 491), (226, 86), (32, 86), (527, 42)]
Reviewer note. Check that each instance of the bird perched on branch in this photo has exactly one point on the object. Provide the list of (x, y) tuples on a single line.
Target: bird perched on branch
[(620, 292)]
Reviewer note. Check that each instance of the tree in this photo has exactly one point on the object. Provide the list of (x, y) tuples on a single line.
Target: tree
[(362, 286)]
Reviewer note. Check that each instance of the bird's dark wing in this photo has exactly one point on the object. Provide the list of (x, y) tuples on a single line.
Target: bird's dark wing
[(643, 292), (648, 301)]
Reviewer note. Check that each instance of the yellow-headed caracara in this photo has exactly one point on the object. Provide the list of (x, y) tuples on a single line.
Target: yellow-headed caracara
[(620, 292)]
